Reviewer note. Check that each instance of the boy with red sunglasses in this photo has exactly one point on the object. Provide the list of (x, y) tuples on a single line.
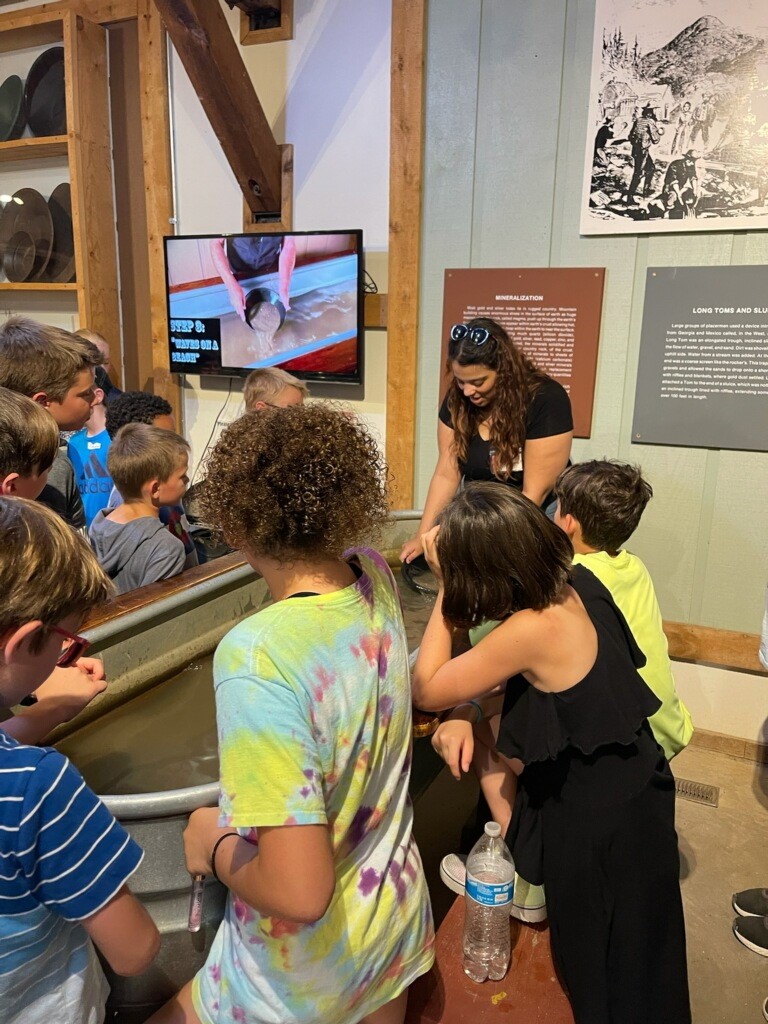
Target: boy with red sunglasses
[(64, 860)]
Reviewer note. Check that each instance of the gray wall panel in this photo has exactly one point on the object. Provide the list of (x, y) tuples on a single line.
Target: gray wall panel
[(525, 95)]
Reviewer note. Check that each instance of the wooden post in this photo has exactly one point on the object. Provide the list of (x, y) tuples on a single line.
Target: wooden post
[(154, 362), (90, 163), (201, 35), (405, 181)]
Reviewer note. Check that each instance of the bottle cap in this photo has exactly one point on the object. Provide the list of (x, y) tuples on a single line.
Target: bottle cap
[(493, 829)]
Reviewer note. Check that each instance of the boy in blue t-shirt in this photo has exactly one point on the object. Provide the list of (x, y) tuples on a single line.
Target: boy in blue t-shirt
[(87, 451), (64, 860)]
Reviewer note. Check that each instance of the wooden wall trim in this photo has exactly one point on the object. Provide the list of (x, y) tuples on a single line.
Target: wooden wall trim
[(719, 648), (409, 18), (249, 36), (101, 11), (158, 190)]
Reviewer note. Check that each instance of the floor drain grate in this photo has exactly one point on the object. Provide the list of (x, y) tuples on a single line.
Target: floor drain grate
[(699, 792)]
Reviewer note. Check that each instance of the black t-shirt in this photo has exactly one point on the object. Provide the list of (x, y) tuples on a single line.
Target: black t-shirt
[(61, 493), (548, 414), (249, 254)]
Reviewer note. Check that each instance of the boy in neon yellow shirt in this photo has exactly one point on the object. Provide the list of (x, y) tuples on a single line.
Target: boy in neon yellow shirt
[(599, 506)]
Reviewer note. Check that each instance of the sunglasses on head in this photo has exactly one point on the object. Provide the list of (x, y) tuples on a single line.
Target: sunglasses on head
[(74, 650), (477, 335)]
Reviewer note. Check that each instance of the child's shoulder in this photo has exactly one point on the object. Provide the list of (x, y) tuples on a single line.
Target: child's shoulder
[(26, 772)]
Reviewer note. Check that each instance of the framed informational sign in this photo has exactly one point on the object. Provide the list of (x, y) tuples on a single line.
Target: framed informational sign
[(702, 379), (551, 313), (677, 138)]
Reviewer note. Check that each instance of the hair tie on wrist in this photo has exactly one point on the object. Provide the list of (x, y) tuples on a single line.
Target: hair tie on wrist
[(216, 845), (472, 704)]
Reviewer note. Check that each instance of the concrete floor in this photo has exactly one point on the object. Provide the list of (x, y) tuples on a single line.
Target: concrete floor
[(723, 850)]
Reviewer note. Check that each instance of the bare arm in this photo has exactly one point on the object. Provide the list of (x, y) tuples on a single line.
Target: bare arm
[(290, 874), (62, 696), (124, 933), (286, 264), (221, 262), (544, 459), (439, 682), (442, 487)]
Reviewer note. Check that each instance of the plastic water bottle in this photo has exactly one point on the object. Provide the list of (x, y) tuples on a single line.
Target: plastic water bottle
[(489, 888)]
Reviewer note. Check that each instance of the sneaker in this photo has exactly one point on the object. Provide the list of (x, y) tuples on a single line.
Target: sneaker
[(528, 903), (751, 903), (752, 932)]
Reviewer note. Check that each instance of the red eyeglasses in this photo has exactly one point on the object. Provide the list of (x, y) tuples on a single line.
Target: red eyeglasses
[(75, 649)]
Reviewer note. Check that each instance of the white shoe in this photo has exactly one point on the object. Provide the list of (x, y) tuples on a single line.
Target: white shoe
[(527, 903)]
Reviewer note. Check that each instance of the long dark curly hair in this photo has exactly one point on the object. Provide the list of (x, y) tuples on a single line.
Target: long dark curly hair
[(517, 382)]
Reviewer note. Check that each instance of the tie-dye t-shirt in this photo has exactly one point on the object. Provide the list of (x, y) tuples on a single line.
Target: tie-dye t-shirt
[(314, 714)]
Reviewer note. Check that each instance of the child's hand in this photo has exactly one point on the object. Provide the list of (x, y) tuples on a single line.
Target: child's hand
[(429, 541), (454, 741), (200, 837), (67, 691)]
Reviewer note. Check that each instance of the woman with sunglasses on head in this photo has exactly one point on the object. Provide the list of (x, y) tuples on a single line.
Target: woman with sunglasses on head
[(502, 420)]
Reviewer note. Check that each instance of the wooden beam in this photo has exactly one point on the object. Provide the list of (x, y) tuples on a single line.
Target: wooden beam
[(103, 12), (405, 180), (156, 143), (90, 167), (285, 223), (720, 648), (249, 36), (376, 306), (200, 32)]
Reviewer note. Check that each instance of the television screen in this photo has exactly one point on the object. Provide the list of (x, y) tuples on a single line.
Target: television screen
[(294, 300)]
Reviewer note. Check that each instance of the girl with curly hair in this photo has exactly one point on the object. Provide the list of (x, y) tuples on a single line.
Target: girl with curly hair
[(502, 420), (328, 915)]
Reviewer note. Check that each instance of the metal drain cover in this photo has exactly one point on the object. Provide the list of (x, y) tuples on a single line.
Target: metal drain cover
[(699, 792)]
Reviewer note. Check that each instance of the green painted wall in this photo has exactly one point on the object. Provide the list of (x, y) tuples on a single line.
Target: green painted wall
[(506, 117)]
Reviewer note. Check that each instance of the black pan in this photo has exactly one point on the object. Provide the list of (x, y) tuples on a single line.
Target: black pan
[(19, 257), (44, 96), (12, 115), (28, 211), (61, 265)]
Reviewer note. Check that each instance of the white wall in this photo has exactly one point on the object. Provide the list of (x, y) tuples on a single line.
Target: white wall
[(732, 703), (327, 92)]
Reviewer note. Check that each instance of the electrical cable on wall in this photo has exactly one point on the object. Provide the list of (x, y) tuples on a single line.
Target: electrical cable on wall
[(209, 443)]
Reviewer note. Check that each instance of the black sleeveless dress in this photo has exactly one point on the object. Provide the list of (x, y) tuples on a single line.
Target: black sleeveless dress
[(594, 822)]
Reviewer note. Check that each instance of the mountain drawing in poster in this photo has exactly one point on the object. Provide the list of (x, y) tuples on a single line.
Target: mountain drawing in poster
[(680, 131)]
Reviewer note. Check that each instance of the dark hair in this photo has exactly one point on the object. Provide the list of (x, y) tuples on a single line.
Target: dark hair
[(135, 407), (606, 498), (298, 483), (499, 553), (517, 382)]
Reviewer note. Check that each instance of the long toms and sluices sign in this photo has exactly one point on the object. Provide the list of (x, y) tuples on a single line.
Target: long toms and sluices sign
[(552, 314), (293, 300), (702, 381)]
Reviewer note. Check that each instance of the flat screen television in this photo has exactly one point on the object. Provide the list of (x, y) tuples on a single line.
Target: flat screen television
[(293, 300)]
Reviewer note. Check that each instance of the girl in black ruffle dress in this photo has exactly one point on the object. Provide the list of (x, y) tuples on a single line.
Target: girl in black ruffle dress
[(594, 815)]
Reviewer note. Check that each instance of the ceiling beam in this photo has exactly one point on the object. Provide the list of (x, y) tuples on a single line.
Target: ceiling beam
[(201, 35)]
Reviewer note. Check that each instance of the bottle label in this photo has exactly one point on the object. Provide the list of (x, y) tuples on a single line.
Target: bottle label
[(490, 894)]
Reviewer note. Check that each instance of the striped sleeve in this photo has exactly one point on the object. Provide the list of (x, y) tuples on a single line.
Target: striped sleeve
[(73, 852)]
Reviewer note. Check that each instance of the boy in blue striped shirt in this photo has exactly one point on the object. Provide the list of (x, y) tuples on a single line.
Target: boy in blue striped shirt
[(64, 860)]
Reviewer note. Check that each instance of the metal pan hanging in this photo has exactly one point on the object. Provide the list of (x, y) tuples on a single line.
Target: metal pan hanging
[(44, 95)]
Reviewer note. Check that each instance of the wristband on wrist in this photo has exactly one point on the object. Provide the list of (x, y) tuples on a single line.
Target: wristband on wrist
[(216, 845), (472, 704)]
